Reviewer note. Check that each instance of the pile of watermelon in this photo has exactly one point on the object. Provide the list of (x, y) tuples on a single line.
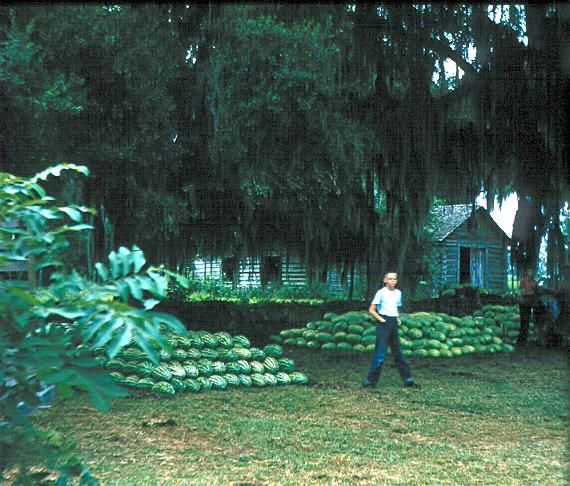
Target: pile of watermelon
[(204, 361), (422, 334)]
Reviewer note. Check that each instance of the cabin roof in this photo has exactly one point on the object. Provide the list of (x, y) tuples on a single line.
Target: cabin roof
[(451, 216)]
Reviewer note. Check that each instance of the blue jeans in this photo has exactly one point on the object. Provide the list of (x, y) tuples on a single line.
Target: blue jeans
[(387, 335)]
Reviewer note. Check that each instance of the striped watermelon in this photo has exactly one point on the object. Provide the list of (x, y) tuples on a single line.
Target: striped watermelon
[(270, 365), (241, 341), (192, 385), (204, 383), (210, 354), (245, 380), (178, 384), (231, 379), (257, 367), (145, 383), (205, 367), (161, 373), (190, 369), (218, 367), (197, 342), (299, 378), (218, 382), (116, 364), (193, 353), (273, 350), (117, 376), (244, 366), (164, 355), (145, 368), (131, 380), (233, 367), (257, 354), (164, 388), (179, 354), (270, 379), (282, 378), (210, 340), (176, 369), (184, 342), (228, 355), (286, 364), (242, 353), (224, 339), (257, 380)]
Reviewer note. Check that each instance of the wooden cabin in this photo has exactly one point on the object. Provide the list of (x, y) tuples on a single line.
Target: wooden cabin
[(277, 268), (471, 248)]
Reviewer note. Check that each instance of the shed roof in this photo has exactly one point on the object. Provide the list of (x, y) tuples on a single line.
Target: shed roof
[(451, 216)]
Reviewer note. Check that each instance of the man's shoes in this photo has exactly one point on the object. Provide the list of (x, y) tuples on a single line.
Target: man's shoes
[(411, 384), (368, 385)]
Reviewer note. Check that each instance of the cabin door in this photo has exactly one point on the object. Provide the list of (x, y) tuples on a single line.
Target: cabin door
[(478, 264), (472, 266)]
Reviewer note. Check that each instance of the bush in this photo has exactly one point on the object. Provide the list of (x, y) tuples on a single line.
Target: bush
[(47, 333)]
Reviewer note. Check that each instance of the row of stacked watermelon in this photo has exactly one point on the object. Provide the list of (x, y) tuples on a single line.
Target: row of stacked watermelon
[(422, 334), (204, 361)]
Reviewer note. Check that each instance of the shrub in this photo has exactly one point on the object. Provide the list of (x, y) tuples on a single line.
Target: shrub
[(47, 333)]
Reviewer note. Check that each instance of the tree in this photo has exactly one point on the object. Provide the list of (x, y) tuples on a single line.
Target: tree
[(48, 334), (238, 128)]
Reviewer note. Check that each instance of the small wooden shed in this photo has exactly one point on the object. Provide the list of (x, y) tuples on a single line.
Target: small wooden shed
[(471, 248)]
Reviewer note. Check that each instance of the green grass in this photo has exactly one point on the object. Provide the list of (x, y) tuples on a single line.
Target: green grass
[(490, 419)]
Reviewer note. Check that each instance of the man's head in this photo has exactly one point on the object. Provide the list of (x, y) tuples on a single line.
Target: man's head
[(390, 279)]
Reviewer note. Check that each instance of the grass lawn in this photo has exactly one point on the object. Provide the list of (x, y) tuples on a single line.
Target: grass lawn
[(489, 419)]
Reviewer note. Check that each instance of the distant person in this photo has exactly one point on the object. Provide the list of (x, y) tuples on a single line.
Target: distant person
[(526, 303), (384, 308)]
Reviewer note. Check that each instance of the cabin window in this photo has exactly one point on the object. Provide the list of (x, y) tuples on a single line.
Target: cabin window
[(270, 270)]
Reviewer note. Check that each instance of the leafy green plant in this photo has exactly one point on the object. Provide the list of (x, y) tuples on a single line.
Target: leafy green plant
[(47, 334)]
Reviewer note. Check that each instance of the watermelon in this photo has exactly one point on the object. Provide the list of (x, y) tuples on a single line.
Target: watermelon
[(286, 364), (192, 385), (232, 380), (190, 369), (270, 365), (218, 382), (257, 367), (257, 380), (205, 367), (270, 379), (282, 378), (218, 367), (273, 351), (178, 384), (242, 353), (204, 383), (244, 366), (164, 388), (145, 383), (232, 367), (161, 373), (298, 378), (179, 354), (245, 380), (241, 341), (211, 354)]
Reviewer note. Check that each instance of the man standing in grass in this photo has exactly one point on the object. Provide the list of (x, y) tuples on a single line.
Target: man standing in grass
[(384, 308)]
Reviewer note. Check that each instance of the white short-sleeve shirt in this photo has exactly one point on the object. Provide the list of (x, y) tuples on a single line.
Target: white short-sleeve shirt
[(387, 301)]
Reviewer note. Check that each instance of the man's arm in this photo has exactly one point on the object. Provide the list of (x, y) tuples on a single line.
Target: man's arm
[(372, 310)]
